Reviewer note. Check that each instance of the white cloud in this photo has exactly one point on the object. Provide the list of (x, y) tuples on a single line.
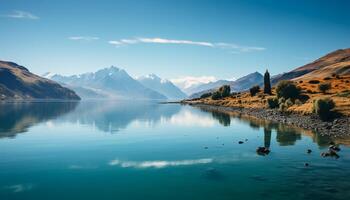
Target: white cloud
[(167, 41), (190, 81), (158, 163), (221, 45), (84, 38), (18, 14)]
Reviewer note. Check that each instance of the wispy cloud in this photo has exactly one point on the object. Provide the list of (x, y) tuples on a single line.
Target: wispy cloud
[(159, 163), (221, 45), (18, 14), (84, 38), (189, 81)]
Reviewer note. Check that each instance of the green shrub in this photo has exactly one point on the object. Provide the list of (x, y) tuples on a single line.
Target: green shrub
[(324, 87), (254, 90), (272, 102), (205, 95), (323, 108), (225, 91), (287, 90), (216, 95)]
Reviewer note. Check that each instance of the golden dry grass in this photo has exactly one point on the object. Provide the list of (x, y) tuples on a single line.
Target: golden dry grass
[(339, 92)]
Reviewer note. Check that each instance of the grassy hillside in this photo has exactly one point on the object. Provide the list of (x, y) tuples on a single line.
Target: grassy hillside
[(339, 93), (18, 83)]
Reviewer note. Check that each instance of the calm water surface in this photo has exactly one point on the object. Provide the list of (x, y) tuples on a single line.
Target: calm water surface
[(145, 150)]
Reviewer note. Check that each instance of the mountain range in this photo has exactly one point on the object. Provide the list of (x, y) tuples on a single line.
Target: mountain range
[(116, 83), (162, 86), (109, 82), (241, 84), (18, 83)]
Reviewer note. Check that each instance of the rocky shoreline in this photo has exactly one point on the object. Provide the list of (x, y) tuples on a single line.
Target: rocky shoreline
[(336, 128)]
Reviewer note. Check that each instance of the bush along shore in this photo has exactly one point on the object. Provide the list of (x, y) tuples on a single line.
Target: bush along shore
[(290, 102), (337, 128)]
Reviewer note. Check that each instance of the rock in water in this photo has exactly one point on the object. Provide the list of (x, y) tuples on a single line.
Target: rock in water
[(262, 151)]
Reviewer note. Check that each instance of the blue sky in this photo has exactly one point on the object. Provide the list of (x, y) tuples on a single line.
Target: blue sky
[(172, 39)]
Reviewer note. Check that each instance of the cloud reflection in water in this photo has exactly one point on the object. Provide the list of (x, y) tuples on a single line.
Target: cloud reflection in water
[(158, 163)]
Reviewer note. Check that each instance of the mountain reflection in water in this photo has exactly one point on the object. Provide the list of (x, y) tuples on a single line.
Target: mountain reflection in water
[(112, 116), (17, 117)]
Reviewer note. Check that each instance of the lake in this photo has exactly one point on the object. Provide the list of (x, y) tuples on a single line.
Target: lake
[(146, 150)]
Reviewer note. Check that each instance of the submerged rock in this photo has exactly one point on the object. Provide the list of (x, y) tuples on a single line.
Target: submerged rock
[(334, 148), (262, 151), (330, 153)]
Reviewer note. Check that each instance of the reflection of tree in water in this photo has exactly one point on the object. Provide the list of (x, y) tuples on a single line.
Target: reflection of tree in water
[(287, 136), (223, 118), (254, 125), (18, 117), (267, 137)]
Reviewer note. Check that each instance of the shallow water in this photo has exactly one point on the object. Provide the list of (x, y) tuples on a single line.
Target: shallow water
[(145, 150)]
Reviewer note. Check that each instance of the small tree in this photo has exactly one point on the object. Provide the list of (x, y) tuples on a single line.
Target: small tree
[(287, 90), (323, 108), (216, 95), (205, 95), (267, 83), (254, 90), (324, 87), (225, 90), (272, 102)]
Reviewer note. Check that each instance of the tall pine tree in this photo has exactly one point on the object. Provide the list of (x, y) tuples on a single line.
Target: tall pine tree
[(267, 83)]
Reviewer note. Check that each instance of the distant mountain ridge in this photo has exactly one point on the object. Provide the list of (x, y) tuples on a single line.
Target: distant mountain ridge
[(162, 86), (208, 86), (18, 83), (336, 62), (241, 84), (109, 82)]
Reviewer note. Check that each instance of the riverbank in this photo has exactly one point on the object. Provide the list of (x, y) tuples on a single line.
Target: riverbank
[(336, 128)]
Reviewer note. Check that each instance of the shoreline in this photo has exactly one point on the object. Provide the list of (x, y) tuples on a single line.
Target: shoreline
[(336, 128)]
